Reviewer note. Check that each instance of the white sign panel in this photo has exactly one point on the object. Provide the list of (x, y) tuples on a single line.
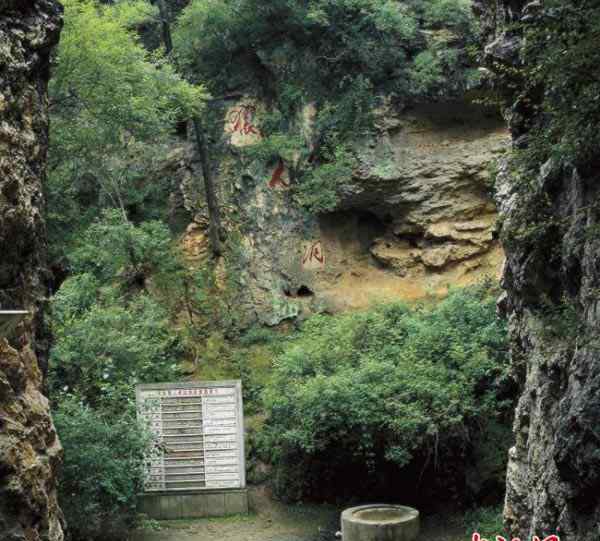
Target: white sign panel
[(198, 430)]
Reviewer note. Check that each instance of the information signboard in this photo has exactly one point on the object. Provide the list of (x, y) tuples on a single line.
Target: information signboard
[(198, 430)]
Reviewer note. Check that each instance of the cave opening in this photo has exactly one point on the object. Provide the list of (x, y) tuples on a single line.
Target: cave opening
[(369, 227), (351, 233), (302, 292)]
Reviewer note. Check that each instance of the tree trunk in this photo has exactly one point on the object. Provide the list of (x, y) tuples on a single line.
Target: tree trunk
[(212, 201), (166, 26)]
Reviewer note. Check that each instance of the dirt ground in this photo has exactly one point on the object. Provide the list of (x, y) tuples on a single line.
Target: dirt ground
[(273, 521)]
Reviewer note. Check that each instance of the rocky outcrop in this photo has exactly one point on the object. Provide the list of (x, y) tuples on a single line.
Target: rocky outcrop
[(29, 449), (415, 217), (30, 452), (418, 215), (551, 280)]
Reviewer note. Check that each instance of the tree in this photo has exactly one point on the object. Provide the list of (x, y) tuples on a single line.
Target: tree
[(103, 470), (113, 105), (212, 202)]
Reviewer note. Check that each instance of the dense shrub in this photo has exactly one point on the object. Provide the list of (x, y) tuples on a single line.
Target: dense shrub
[(110, 332), (560, 86), (321, 49), (102, 352), (359, 398), (487, 521), (102, 471)]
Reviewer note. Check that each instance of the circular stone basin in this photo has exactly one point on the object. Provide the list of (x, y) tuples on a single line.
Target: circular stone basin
[(380, 522)]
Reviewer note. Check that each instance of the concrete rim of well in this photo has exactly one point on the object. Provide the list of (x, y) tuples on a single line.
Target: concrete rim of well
[(408, 513)]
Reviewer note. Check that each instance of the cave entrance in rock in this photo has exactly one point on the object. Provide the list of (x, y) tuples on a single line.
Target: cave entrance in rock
[(302, 292), (350, 233), (369, 228)]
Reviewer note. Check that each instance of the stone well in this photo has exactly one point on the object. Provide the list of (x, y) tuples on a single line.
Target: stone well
[(380, 522)]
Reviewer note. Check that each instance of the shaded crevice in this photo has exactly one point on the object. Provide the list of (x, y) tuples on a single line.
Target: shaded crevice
[(301, 292)]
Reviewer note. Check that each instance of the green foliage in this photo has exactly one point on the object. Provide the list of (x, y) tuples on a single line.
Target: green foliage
[(320, 48), (258, 335), (341, 56), (105, 79), (427, 72), (104, 347), (394, 384), (448, 14), (317, 190), (554, 97), (487, 521), (113, 245), (109, 331), (559, 62), (485, 474), (102, 471), (111, 105)]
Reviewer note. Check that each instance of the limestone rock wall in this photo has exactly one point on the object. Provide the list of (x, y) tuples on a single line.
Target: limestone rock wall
[(415, 217), (29, 449), (551, 301), (418, 215), (30, 452)]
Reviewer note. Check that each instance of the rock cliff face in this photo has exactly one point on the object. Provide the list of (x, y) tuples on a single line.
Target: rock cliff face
[(415, 217), (29, 448), (553, 481)]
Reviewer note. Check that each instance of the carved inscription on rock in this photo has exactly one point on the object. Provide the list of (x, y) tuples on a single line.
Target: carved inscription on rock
[(240, 124), (198, 435), (280, 177), (313, 256)]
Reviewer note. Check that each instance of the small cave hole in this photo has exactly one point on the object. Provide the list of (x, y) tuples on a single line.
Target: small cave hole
[(413, 241), (304, 291)]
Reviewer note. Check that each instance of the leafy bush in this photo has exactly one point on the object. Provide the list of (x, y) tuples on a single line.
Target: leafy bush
[(104, 347), (310, 45), (102, 471), (258, 335), (383, 391), (559, 60), (113, 245)]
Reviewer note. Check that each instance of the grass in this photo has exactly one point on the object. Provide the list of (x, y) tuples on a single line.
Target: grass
[(308, 522), (486, 521)]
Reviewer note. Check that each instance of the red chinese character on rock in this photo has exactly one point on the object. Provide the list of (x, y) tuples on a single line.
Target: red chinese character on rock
[(477, 537), (277, 179), (241, 120), (313, 255)]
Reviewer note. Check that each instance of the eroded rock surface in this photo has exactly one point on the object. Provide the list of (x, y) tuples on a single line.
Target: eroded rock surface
[(30, 452), (29, 449), (416, 216), (551, 282)]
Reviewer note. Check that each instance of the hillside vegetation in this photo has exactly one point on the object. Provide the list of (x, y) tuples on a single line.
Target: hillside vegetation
[(415, 391)]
